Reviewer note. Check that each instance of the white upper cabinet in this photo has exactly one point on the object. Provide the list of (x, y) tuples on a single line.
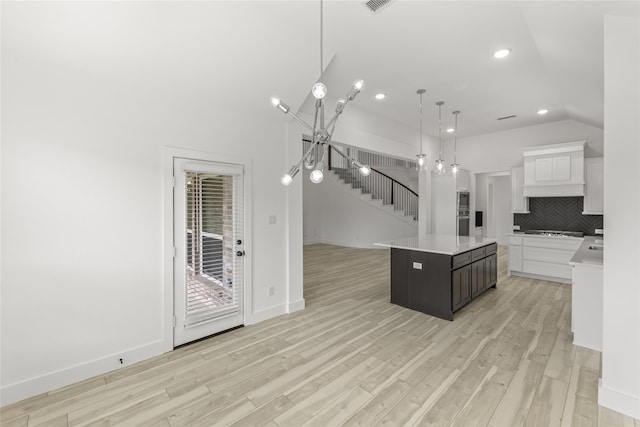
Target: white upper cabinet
[(594, 183), (554, 170), (463, 180), (519, 203)]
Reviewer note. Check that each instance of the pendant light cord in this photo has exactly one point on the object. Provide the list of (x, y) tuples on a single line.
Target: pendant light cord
[(420, 122), (440, 127), (455, 138), (321, 37)]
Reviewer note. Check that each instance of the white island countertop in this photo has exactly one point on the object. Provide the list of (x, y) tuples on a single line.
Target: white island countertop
[(438, 243), (584, 255)]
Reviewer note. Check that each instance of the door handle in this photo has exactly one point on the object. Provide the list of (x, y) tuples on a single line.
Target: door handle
[(240, 253)]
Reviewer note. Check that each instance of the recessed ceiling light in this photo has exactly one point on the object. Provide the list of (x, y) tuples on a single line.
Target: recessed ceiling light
[(543, 111), (380, 96), (450, 130), (501, 53)]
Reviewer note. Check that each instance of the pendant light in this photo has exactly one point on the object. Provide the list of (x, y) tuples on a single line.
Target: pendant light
[(440, 169), (455, 166), (422, 163)]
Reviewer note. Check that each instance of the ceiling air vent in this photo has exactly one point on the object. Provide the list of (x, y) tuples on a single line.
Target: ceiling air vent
[(375, 5), (507, 117)]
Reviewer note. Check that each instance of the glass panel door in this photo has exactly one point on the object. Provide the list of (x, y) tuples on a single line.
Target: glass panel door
[(208, 212)]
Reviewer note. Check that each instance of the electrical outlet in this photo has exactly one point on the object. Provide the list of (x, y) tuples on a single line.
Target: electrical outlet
[(271, 291), (272, 219)]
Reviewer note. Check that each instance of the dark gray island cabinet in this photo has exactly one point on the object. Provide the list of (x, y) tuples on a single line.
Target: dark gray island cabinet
[(438, 275)]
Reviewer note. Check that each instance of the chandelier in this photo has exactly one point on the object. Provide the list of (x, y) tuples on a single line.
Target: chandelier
[(321, 131)]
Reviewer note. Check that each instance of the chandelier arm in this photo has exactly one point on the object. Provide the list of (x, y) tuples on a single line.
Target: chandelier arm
[(330, 133), (325, 148), (297, 165), (334, 119), (305, 124), (315, 121)]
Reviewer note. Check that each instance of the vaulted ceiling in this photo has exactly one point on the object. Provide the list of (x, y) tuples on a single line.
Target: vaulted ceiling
[(446, 47), (239, 53)]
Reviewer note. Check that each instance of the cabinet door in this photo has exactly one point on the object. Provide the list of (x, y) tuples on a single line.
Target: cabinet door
[(543, 169), (562, 168), (477, 277), (515, 258), (519, 203), (490, 271), (399, 277), (461, 283), (463, 180), (594, 186)]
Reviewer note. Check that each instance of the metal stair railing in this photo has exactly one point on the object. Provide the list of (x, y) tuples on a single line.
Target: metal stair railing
[(380, 185)]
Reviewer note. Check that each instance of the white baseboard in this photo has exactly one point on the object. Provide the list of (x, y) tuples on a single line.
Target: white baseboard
[(348, 244), (267, 313), (45, 383), (296, 305), (311, 241), (618, 401)]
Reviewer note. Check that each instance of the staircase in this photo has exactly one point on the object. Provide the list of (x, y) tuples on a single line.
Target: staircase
[(380, 186)]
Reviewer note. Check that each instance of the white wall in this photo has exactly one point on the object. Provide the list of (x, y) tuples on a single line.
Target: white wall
[(334, 215), (499, 151), (83, 131), (620, 383), (502, 216), (443, 207)]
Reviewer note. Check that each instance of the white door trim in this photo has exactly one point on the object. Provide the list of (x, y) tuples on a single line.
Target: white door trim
[(169, 153)]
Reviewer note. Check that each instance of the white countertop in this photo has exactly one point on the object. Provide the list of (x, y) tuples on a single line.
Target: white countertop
[(587, 256), (523, 234), (438, 243)]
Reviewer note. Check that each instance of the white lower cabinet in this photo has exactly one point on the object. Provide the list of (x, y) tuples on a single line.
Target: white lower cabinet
[(542, 256), (515, 253), (586, 297)]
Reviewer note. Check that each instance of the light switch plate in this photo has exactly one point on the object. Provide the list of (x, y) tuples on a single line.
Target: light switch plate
[(272, 219), (417, 265)]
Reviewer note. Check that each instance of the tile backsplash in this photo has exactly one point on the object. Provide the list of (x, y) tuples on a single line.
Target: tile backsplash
[(557, 213)]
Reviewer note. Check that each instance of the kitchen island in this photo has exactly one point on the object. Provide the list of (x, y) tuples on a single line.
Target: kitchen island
[(439, 274)]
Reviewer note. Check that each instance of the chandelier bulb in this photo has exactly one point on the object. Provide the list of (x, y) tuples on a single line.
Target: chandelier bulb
[(359, 84), (365, 170), (288, 178), (316, 176), (280, 105), (319, 90), (454, 168)]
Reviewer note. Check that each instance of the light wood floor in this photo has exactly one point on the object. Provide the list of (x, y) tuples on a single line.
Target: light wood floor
[(352, 358)]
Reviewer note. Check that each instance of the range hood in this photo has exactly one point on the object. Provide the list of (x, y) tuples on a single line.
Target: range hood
[(554, 170)]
